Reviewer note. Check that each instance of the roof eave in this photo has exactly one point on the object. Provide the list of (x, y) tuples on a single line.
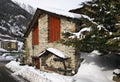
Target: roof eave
[(32, 23)]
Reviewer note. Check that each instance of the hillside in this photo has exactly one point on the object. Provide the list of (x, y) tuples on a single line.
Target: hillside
[(13, 19)]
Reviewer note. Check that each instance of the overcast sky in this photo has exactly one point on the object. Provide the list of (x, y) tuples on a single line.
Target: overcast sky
[(62, 4), (59, 4)]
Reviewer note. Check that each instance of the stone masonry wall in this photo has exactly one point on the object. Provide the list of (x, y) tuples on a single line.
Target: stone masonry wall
[(29, 51), (66, 24)]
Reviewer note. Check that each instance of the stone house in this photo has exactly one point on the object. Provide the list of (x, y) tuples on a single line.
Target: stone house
[(43, 36), (9, 45)]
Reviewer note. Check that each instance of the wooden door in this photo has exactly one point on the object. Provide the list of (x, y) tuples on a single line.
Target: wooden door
[(37, 63)]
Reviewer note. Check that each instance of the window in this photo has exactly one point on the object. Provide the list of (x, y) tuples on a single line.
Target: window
[(54, 33), (36, 35)]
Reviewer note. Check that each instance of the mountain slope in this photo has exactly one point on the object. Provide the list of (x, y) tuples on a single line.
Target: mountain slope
[(13, 19)]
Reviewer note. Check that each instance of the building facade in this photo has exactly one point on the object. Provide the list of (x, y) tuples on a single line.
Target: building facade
[(45, 31)]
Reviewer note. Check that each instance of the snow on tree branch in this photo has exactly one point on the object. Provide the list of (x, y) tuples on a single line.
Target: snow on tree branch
[(80, 34)]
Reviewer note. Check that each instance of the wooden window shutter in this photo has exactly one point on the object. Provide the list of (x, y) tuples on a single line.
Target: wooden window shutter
[(54, 29), (36, 35)]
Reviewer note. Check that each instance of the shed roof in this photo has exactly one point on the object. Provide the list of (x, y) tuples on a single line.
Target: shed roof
[(56, 52)]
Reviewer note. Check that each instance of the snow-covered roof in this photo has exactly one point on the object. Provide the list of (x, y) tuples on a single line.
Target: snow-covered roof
[(57, 53), (61, 12)]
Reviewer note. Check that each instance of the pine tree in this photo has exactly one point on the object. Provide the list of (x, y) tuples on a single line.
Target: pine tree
[(103, 17)]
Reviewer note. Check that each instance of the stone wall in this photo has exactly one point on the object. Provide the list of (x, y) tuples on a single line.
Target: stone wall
[(28, 48)]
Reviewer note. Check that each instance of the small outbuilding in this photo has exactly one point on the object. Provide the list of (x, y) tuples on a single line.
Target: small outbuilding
[(55, 60)]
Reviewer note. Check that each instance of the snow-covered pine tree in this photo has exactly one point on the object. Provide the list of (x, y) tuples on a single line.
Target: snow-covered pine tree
[(103, 18)]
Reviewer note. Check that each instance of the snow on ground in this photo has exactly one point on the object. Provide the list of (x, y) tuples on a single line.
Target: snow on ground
[(7, 57), (94, 68), (34, 75), (2, 58), (1, 49)]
